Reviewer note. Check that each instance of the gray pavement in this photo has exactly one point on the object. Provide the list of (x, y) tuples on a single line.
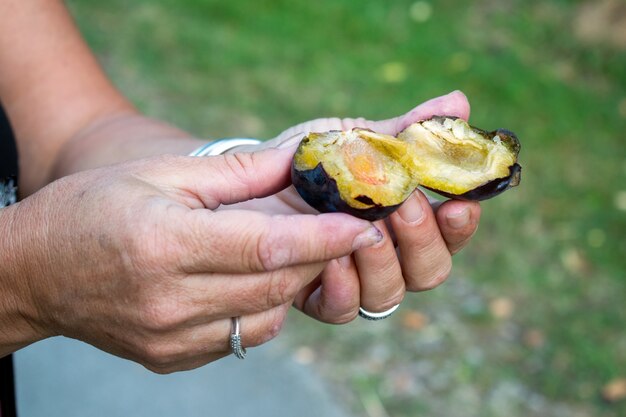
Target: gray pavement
[(63, 377)]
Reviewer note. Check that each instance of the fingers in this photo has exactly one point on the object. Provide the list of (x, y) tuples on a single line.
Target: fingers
[(244, 293), (235, 177), (382, 283), (334, 298), (458, 221), (371, 278), (192, 347), (225, 179), (282, 141), (426, 244), (424, 256), (246, 241), (453, 104)]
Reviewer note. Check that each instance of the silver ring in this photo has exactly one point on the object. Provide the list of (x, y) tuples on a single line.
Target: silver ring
[(220, 146), (235, 339), (377, 316)]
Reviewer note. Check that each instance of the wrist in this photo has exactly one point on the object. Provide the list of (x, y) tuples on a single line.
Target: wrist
[(19, 319), (119, 138)]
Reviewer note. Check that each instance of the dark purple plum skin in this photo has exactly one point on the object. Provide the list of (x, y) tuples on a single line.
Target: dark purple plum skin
[(498, 185), (320, 191), (490, 189)]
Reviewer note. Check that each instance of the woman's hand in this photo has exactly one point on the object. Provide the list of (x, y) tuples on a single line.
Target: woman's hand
[(419, 239), (134, 260)]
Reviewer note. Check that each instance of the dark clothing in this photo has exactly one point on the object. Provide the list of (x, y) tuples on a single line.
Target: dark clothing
[(8, 195), (7, 389), (8, 163)]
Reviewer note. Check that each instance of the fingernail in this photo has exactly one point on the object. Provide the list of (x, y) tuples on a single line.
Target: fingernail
[(370, 237), (294, 140), (411, 210), (460, 219)]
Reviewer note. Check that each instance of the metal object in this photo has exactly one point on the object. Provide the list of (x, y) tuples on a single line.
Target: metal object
[(235, 339), (377, 316), (220, 146)]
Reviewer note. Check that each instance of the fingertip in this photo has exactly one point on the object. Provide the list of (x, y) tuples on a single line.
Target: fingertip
[(452, 212), (452, 104), (458, 221), (370, 237), (316, 238), (412, 210), (339, 225), (457, 104), (292, 142)]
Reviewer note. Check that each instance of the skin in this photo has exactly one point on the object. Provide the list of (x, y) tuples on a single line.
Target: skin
[(121, 242), (156, 277), (419, 238)]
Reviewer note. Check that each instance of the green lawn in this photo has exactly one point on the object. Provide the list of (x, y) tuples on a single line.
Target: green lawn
[(532, 322)]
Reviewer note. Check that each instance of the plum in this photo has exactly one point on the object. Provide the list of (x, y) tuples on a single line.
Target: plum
[(368, 174)]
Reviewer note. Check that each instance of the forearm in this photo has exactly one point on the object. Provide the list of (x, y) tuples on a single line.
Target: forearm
[(66, 114), (18, 313), (118, 138), (51, 86)]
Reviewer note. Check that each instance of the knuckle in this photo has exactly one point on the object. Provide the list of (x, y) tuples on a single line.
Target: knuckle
[(161, 314), (393, 300), (341, 318), (272, 251), (282, 288), (266, 255), (388, 303), (145, 248), (276, 325), (240, 167), (237, 163), (343, 308), (458, 246), (438, 277), (156, 356), (161, 370), (267, 329), (271, 328)]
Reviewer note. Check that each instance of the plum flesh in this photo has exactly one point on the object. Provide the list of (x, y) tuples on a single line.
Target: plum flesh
[(369, 175)]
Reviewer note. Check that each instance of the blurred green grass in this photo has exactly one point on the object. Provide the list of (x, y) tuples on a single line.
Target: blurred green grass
[(553, 249)]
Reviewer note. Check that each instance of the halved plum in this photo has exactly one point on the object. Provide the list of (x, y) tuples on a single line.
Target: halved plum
[(459, 161), (369, 175)]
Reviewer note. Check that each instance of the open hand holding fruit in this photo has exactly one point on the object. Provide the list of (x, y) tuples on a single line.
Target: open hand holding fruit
[(419, 237)]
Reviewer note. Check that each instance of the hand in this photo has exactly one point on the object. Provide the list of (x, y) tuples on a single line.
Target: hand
[(425, 233), (134, 260)]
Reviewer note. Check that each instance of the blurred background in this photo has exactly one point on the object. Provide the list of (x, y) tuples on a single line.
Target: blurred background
[(532, 322)]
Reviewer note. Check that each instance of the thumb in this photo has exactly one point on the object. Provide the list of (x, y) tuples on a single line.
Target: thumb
[(453, 104), (241, 176)]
